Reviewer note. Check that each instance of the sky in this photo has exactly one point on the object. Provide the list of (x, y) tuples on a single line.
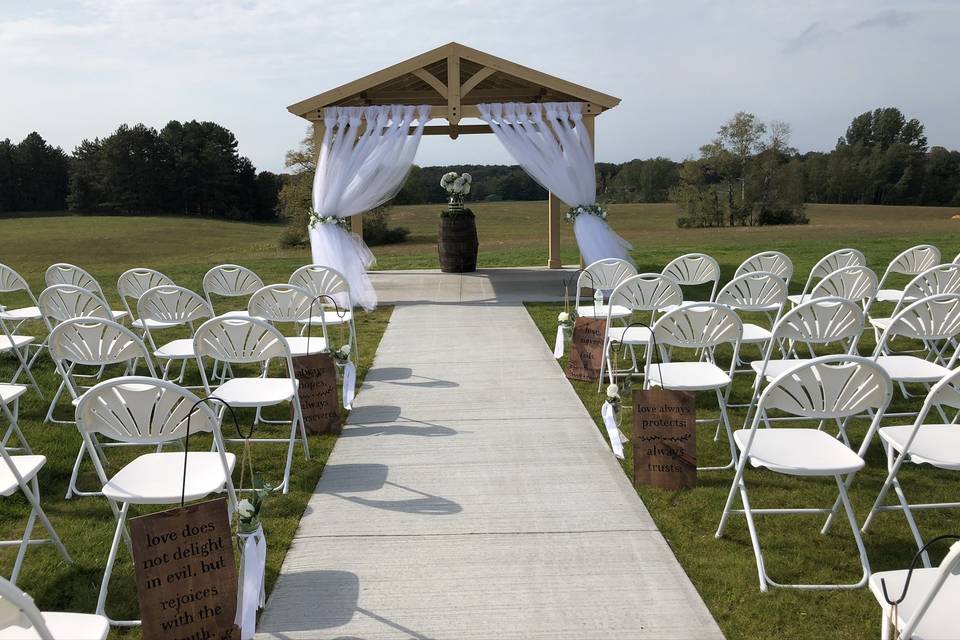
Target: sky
[(77, 69)]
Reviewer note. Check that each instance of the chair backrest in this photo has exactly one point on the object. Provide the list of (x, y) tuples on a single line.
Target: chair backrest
[(320, 280), (831, 262), (96, 342), (646, 292), (17, 609), (65, 301), (230, 281), (935, 317), (754, 291), (173, 305), (770, 261), (857, 283), (698, 326), (281, 303), (949, 569), (942, 278), (240, 340), (821, 321), (694, 269), (605, 275), (65, 273), (133, 283), (11, 281), (835, 386), (914, 260)]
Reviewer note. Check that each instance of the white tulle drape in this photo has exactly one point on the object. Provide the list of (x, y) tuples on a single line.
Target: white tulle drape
[(356, 172), (551, 143)]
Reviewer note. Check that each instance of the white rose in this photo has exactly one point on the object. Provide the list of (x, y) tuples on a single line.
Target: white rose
[(563, 317), (345, 349), (613, 391), (245, 509), (466, 188), (467, 178)]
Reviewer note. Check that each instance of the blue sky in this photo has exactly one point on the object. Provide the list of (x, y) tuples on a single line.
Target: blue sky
[(74, 70)]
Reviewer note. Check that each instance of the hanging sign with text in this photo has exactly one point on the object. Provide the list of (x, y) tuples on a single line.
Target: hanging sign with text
[(586, 349), (664, 439), (185, 575), (317, 387)]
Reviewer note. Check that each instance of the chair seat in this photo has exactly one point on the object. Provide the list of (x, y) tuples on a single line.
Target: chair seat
[(912, 369), (117, 315), (940, 620), (600, 311), (240, 313), (776, 367), (176, 350), (150, 323), (330, 316), (27, 467), (799, 452), (10, 392), (673, 307), (798, 299), (9, 342), (299, 345), (881, 323), (156, 478), (629, 335), (21, 314), (75, 626), (889, 295), (687, 376), (754, 333), (254, 392), (935, 444)]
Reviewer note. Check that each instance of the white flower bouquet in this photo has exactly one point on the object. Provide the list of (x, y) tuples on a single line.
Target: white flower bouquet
[(342, 355), (613, 397), (248, 509), (566, 319)]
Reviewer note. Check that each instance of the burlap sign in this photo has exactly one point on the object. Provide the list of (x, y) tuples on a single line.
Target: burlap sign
[(317, 379), (664, 439), (586, 349), (185, 575)]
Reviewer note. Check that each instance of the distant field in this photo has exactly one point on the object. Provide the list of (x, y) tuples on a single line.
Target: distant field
[(511, 234)]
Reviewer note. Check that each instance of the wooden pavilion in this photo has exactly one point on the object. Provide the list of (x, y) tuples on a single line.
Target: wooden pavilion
[(453, 79)]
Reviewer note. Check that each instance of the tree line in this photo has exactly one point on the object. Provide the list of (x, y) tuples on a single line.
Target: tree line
[(187, 168)]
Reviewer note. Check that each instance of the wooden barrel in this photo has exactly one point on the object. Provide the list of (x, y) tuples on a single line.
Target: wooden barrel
[(457, 243)]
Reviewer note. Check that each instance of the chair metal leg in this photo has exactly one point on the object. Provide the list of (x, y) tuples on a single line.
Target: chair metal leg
[(118, 534)]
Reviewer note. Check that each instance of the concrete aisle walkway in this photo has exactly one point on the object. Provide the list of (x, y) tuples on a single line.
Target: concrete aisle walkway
[(472, 497)]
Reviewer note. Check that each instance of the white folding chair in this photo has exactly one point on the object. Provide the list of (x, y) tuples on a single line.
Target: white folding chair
[(701, 326), (169, 306), (825, 266), (238, 340), (773, 262), (93, 342), (20, 619), (10, 408), (943, 278), (602, 277), (12, 282), (645, 292), (830, 387), (289, 304), (911, 262), (146, 411), (19, 346), (64, 273), (324, 281), (694, 269), (931, 320), (230, 281), (133, 283), (929, 608), (858, 283), (755, 292), (20, 472), (937, 445)]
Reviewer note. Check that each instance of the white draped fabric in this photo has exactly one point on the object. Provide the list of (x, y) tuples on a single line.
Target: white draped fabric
[(552, 144), (356, 172)]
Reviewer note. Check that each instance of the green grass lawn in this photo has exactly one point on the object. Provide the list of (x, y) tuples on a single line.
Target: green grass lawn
[(724, 570), (511, 234)]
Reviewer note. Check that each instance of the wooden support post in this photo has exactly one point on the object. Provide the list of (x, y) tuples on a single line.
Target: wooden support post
[(588, 123), (554, 215)]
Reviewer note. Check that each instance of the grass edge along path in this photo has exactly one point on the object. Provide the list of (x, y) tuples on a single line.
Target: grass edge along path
[(724, 571)]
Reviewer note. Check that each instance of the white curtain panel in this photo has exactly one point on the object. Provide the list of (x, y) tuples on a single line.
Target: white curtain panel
[(551, 143), (356, 172)]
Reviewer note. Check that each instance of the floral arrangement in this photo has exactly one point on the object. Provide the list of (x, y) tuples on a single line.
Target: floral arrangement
[(317, 219), (566, 319), (613, 397), (248, 510), (589, 209), (456, 186), (342, 355)]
